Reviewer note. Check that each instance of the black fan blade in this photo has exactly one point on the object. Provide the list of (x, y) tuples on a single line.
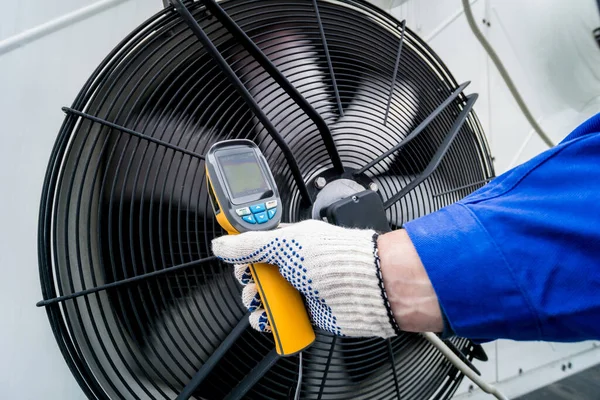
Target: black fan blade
[(361, 132), (437, 157), (254, 376), (214, 359), (193, 335), (189, 19), (296, 55), (271, 69), (417, 130)]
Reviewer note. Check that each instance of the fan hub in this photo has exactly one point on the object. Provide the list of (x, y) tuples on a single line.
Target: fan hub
[(347, 202), (331, 186), (332, 192)]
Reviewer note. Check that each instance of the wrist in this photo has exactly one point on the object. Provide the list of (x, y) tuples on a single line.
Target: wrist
[(409, 291)]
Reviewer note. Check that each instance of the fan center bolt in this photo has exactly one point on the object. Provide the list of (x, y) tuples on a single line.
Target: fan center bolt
[(320, 182)]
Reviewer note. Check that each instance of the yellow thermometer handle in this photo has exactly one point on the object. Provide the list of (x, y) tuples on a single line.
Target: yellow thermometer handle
[(287, 315), (285, 309)]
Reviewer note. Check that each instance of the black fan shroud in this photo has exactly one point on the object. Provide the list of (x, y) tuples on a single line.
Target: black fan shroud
[(124, 202)]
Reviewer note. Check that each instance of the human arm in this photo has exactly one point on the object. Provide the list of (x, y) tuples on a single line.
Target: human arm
[(520, 258), (410, 292), (517, 259)]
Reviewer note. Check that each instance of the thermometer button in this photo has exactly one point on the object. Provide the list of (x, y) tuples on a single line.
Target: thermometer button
[(257, 208), (249, 219), (261, 217), (243, 211)]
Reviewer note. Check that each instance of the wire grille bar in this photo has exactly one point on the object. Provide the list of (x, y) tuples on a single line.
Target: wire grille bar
[(460, 355), (212, 50), (417, 130), (214, 359), (464, 187), (477, 351), (439, 154), (131, 132), (328, 57), (124, 282), (395, 74), (250, 380), (393, 364), (283, 82), (327, 365)]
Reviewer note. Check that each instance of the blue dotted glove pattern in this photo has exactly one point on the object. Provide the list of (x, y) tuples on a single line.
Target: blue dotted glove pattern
[(287, 255)]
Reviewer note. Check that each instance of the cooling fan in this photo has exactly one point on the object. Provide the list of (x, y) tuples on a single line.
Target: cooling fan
[(339, 96)]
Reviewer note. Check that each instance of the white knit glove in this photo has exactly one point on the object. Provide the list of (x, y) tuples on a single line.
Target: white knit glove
[(336, 269)]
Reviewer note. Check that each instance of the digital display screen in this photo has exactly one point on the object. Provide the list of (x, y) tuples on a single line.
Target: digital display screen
[(243, 174)]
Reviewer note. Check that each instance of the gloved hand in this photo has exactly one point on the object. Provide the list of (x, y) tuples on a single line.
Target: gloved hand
[(336, 269)]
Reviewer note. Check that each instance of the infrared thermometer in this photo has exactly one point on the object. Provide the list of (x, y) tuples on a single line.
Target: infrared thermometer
[(244, 198)]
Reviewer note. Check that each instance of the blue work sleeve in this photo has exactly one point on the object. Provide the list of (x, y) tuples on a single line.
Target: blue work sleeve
[(520, 257)]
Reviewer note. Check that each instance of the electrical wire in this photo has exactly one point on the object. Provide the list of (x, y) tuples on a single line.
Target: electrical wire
[(464, 368), (504, 74), (29, 35)]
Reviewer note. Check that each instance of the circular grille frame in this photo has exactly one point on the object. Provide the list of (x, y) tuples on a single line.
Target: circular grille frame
[(160, 82)]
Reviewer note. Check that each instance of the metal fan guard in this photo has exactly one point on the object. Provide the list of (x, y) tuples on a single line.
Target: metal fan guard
[(137, 304)]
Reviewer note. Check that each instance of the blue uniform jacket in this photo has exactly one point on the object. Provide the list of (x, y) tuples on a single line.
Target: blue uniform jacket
[(520, 257)]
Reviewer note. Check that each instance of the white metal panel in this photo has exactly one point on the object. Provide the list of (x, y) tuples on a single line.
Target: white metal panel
[(428, 18), (35, 81), (465, 58), (18, 16), (513, 361), (508, 129), (553, 45), (539, 377)]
